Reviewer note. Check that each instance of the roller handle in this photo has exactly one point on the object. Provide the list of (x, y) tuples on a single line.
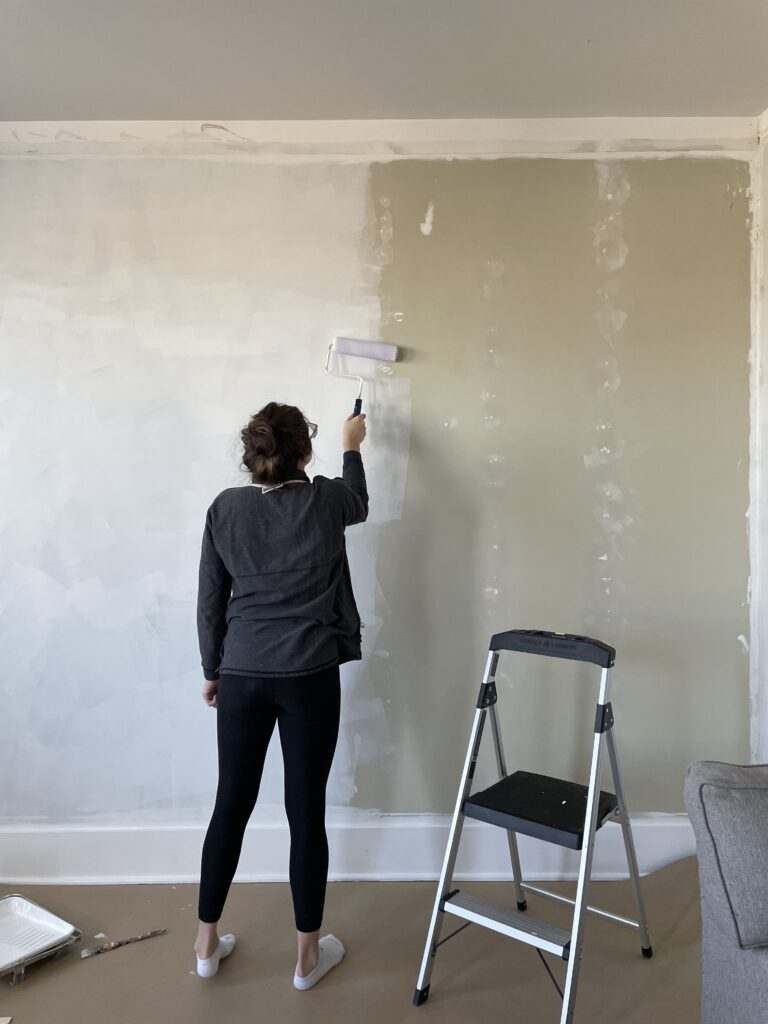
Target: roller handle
[(358, 407)]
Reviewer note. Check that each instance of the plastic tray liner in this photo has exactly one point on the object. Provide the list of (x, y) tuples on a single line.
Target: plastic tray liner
[(26, 930)]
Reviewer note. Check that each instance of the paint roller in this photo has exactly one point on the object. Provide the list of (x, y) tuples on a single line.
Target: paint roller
[(362, 350)]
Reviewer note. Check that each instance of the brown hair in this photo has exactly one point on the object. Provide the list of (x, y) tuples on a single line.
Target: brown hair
[(275, 440)]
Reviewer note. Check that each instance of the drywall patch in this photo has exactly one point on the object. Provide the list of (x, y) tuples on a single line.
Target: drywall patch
[(605, 459), (495, 476), (385, 231), (429, 220)]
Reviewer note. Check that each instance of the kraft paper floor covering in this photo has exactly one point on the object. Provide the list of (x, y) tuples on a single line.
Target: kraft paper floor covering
[(479, 976)]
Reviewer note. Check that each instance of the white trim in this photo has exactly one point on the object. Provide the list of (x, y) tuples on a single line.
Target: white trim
[(758, 482), (371, 846), (572, 138)]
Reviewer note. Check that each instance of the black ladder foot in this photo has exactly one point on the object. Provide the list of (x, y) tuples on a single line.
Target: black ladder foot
[(420, 996), (647, 952), (522, 906)]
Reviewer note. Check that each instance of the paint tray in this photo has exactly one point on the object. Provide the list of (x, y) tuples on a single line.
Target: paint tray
[(28, 934)]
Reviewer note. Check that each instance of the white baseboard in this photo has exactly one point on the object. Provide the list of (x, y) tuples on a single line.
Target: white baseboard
[(363, 845)]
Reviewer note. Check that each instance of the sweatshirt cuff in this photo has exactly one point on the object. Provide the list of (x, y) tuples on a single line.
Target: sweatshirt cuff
[(211, 675), (352, 457)]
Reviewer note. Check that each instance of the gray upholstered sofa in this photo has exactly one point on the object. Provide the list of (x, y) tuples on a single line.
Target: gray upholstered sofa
[(728, 808)]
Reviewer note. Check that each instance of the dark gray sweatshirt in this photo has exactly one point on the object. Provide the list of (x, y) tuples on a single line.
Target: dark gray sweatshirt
[(275, 596)]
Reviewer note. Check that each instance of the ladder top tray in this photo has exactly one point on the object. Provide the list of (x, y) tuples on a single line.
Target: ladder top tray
[(555, 645), (539, 806)]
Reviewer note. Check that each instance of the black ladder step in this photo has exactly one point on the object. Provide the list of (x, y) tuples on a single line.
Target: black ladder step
[(538, 806), (509, 922)]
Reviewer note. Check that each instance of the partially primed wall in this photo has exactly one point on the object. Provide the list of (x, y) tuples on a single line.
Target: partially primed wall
[(148, 308), (579, 460), (564, 446)]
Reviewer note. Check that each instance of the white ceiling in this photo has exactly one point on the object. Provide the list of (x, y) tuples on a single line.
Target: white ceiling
[(63, 60)]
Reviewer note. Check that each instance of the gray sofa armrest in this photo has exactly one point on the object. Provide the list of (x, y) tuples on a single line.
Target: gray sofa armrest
[(728, 808)]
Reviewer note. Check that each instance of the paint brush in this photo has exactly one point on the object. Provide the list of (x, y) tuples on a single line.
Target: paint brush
[(107, 946)]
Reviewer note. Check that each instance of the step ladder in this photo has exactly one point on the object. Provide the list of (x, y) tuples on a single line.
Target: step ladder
[(554, 810)]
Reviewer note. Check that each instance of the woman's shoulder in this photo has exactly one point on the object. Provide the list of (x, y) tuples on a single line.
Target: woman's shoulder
[(231, 495), (327, 484)]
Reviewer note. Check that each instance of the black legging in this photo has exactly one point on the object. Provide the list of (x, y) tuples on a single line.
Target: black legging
[(306, 709)]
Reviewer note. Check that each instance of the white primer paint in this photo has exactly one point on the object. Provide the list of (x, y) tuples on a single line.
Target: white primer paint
[(146, 310)]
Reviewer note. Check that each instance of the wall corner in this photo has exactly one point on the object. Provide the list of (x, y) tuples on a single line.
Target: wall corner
[(758, 506)]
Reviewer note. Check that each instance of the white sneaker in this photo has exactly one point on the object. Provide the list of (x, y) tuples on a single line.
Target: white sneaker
[(207, 968), (331, 954)]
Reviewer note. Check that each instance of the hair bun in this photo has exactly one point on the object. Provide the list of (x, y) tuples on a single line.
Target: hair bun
[(275, 440), (264, 439)]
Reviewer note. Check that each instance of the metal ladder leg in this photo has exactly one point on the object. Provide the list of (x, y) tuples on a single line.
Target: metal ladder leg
[(514, 854), (487, 691), (585, 865), (629, 845)]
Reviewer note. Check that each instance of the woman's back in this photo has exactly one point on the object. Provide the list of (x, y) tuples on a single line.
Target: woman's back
[(275, 561)]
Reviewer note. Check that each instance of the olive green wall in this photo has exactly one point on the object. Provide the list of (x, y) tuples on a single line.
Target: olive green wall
[(577, 339)]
